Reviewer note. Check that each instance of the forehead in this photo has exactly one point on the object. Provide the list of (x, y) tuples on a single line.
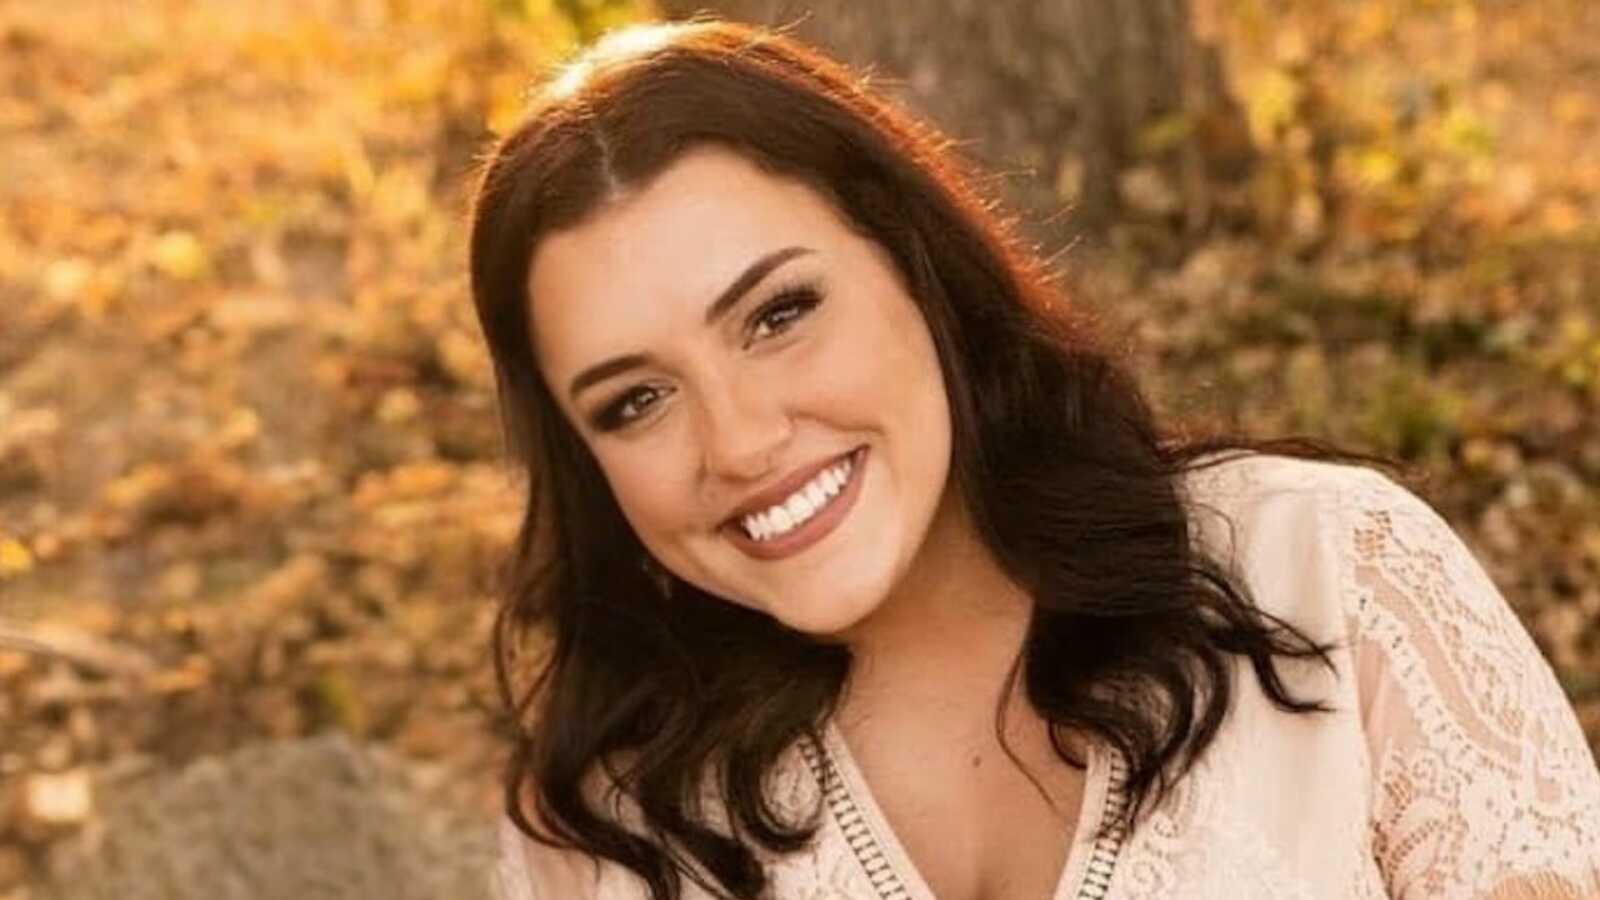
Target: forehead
[(662, 253)]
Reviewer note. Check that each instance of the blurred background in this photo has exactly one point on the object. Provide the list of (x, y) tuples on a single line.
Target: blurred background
[(251, 499)]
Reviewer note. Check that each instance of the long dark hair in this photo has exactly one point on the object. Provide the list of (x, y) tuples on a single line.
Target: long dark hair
[(1069, 481)]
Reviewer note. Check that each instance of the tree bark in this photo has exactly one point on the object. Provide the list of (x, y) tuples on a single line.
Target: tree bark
[(1072, 95)]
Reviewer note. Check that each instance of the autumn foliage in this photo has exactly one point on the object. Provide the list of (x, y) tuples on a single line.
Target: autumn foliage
[(250, 484)]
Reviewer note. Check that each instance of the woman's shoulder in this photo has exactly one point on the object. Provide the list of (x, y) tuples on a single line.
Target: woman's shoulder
[(1450, 695), (1266, 500), (1260, 496), (528, 869), (531, 869), (1242, 478), (1291, 527)]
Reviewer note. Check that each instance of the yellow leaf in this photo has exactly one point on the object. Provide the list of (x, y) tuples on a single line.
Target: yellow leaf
[(507, 92), (1573, 108), (1291, 46), (1466, 133), (138, 487), (14, 558), (423, 479), (1163, 134), (356, 166), (1378, 167), (420, 76), (65, 279), (180, 255), (1562, 218), (400, 196), (1272, 102), (1374, 22), (398, 405)]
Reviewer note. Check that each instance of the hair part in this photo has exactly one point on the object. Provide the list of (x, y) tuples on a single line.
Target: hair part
[(1068, 479)]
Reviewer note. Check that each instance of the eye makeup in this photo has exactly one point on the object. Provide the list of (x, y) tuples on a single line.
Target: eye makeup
[(625, 408), (789, 304)]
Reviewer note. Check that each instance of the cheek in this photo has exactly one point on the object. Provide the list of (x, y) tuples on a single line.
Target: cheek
[(897, 372), (880, 360), (648, 495)]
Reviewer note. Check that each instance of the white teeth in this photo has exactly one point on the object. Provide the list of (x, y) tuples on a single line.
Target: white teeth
[(800, 506), (800, 509), (816, 494)]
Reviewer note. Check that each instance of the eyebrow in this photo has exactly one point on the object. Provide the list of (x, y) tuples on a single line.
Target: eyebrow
[(719, 307)]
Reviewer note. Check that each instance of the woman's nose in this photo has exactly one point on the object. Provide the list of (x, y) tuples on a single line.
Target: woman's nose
[(742, 430)]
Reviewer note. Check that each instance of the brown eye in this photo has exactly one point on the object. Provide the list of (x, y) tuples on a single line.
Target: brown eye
[(629, 407), (782, 311)]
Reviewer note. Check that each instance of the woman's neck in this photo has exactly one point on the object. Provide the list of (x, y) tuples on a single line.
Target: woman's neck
[(942, 644)]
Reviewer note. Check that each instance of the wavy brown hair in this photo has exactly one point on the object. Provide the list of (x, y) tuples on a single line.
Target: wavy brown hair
[(1070, 482)]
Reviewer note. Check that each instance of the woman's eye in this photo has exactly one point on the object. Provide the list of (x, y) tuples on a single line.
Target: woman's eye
[(782, 311), (627, 408)]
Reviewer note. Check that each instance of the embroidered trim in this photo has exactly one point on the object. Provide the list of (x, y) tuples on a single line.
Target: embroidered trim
[(857, 833), (1108, 846), (864, 844)]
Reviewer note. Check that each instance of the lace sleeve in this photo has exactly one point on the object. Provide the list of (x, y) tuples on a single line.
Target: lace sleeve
[(1482, 783)]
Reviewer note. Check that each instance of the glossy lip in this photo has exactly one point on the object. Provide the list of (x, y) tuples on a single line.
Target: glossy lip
[(816, 528)]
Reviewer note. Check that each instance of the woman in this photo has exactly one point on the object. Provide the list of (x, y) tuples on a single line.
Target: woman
[(869, 574)]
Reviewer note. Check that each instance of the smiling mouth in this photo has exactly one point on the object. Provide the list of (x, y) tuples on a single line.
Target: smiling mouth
[(806, 516)]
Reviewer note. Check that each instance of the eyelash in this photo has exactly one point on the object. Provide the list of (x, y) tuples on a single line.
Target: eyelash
[(796, 301), (799, 299)]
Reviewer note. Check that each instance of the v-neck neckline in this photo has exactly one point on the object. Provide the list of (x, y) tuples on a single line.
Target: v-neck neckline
[(1086, 872)]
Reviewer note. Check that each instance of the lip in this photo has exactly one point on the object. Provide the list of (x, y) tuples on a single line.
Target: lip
[(781, 490), (816, 528)]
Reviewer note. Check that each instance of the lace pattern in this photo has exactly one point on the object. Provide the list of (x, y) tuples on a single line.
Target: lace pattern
[(1452, 766), (1482, 778), (886, 883)]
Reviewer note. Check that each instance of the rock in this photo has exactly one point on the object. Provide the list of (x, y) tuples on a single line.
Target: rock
[(297, 820), (50, 804)]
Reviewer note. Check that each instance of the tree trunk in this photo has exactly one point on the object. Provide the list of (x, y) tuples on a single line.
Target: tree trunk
[(1113, 109)]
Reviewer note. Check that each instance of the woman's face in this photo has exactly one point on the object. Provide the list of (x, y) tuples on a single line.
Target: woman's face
[(760, 391)]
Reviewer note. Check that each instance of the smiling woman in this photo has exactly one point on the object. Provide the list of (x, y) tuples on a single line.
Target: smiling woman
[(718, 425), (823, 467)]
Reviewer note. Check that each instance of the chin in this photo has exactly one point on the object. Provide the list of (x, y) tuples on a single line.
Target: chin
[(829, 622), (831, 611)]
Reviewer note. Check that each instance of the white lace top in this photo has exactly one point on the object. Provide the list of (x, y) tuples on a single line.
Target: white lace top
[(1453, 766)]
